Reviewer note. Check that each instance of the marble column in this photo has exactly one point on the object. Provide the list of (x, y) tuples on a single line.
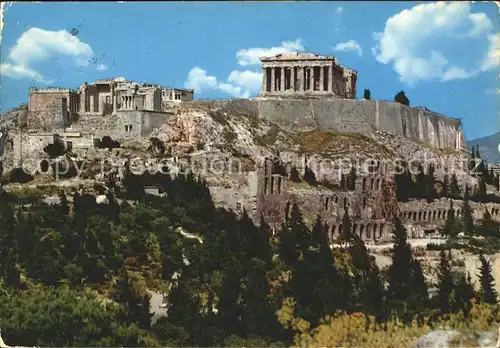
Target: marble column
[(311, 78), (83, 98), (302, 74), (92, 103), (321, 79), (282, 80), (292, 78), (330, 79), (113, 98), (273, 79), (264, 81)]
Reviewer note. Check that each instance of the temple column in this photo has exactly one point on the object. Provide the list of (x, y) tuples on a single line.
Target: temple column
[(321, 79), (311, 78), (330, 79), (83, 97), (273, 79), (282, 80), (302, 74), (292, 78), (264, 80), (92, 103), (113, 98)]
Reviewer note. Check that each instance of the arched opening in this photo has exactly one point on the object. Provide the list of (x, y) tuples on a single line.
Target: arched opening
[(425, 215), (419, 216), (381, 231), (361, 230), (364, 184), (414, 216), (434, 215), (374, 230), (368, 231), (355, 228)]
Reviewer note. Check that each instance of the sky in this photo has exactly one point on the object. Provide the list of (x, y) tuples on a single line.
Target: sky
[(445, 56)]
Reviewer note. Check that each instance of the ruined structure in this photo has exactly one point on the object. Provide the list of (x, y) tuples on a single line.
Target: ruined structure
[(111, 95), (45, 105), (176, 94), (307, 75)]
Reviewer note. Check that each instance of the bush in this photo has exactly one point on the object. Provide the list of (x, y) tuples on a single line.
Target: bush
[(107, 143)]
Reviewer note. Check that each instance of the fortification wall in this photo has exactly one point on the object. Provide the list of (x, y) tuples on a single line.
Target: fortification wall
[(364, 116), (142, 123)]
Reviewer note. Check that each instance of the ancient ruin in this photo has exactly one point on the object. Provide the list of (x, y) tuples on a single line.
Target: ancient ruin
[(306, 74)]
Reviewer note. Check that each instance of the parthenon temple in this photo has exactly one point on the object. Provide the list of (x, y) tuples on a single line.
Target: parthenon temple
[(306, 74)]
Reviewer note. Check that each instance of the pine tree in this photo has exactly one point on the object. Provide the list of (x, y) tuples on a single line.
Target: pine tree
[(346, 231), (455, 191), (481, 192), (488, 293), (445, 192), (445, 282), (351, 184), (463, 294), (131, 293), (368, 291), (450, 228), (420, 183), (294, 174), (407, 289), (488, 227), (310, 177), (9, 246), (430, 188), (366, 94), (467, 218)]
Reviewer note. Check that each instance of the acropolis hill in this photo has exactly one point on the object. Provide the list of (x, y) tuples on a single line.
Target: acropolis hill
[(306, 110)]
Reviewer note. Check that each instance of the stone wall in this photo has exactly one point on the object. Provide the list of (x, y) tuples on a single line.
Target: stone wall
[(364, 116), (138, 123)]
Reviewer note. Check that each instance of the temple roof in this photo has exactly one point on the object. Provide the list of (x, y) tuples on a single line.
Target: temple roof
[(296, 56)]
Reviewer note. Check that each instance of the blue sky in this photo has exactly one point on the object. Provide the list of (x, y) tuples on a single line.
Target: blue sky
[(442, 55)]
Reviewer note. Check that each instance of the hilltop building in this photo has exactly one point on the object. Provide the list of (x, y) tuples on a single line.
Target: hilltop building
[(308, 75)]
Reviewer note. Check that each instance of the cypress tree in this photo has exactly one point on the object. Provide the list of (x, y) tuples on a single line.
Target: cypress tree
[(445, 282), (346, 231), (450, 228), (310, 177), (430, 189), (294, 174), (488, 293), (463, 294), (478, 155), (481, 192), (9, 246), (455, 191), (407, 291), (467, 218), (445, 192)]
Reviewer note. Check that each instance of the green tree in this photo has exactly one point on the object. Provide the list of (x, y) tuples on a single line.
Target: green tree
[(345, 233), (445, 191), (455, 191), (407, 292), (487, 293), (294, 174), (445, 282), (310, 177), (132, 294), (467, 218), (400, 97), (9, 246), (451, 225), (366, 94)]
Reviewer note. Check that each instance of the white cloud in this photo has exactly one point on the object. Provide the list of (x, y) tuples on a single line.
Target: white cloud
[(240, 84), (339, 9), (349, 46), (413, 40), (198, 80), (37, 44), (19, 71), (251, 56), (101, 67)]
